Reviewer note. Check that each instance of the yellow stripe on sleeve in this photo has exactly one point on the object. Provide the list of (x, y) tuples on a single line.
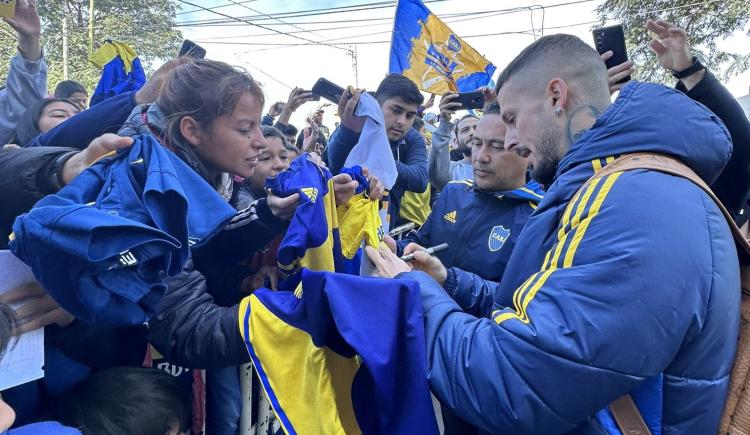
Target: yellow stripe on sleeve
[(581, 231)]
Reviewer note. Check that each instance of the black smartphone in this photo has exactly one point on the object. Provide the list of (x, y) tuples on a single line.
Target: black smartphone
[(328, 90), (470, 100), (191, 49), (315, 97), (612, 38)]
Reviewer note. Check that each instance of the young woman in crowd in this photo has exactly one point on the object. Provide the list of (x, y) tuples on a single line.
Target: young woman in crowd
[(42, 117)]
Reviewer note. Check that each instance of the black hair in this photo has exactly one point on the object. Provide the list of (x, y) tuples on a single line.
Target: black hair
[(291, 130), (126, 400), (418, 124), (492, 109), (27, 127), (556, 54), (463, 118), (269, 131), (66, 88), (396, 85), (8, 325)]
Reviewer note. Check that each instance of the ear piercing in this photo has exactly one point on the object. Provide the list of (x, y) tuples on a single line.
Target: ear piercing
[(558, 110)]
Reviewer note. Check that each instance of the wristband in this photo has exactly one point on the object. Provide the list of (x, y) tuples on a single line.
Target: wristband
[(56, 177), (694, 68)]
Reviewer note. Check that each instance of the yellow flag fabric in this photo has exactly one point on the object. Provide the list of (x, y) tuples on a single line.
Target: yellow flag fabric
[(415, 207), (359, 220), (425, 49), (112, 49)]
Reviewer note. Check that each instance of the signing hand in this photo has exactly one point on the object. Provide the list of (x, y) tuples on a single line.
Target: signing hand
[(617, 72), (427, 263), (386, 262), (38, 309)]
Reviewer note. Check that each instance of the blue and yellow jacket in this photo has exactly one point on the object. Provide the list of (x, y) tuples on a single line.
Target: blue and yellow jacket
[(630, 287), (481, 227)]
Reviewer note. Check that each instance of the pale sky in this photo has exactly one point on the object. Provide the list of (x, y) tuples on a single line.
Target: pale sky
[(368, 32)]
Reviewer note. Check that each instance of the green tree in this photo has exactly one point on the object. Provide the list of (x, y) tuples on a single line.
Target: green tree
[(148, 27), (706, 22)]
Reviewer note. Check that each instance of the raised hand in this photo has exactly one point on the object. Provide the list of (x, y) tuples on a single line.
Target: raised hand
[(28, 25), (347, 104), (448, 106), (671, 46)]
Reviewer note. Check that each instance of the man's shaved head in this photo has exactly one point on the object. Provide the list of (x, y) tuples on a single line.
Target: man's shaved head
[(563, 56)]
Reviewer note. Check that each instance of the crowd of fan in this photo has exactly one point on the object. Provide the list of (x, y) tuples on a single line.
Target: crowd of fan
[(596, 292)]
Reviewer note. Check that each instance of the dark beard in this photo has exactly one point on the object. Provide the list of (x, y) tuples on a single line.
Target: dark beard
[(548, 157)]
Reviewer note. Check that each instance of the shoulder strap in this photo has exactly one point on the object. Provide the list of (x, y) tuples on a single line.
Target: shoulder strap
[(624, 410), (627, 417), (671, 165)]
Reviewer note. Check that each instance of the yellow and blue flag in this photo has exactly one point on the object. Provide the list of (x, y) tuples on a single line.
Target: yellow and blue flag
[(346, 358), (425, 49)]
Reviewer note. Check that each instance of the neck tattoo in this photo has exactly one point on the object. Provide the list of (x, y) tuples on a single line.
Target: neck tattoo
[(586, 110)]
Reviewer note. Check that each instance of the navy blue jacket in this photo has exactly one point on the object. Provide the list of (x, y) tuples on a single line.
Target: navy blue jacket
[(78, 131), (410, 154), (481, 227), (630, 287)]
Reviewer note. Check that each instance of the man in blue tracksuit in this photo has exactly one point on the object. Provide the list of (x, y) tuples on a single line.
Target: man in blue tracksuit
[(629, 287), (481, 219), (399, 99)]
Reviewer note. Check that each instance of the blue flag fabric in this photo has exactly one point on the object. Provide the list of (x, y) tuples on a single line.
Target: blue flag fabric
[(121, 71), (427, 51), (346, 357), (103, 245)]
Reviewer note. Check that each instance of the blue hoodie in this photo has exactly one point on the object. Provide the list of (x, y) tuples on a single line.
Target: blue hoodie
[(631, 287)]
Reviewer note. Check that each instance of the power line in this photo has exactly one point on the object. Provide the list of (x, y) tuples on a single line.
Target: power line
[(307, 13), (277, 19), (448, 21), (262, 27), (213, 7)]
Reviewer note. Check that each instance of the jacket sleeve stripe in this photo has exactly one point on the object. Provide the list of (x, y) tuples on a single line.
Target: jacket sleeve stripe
[(597, 165), (581, 231), (521, 301)]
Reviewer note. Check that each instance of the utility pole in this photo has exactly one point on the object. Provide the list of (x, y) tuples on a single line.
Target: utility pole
[(65, 42), (355, 66), (91, 27)]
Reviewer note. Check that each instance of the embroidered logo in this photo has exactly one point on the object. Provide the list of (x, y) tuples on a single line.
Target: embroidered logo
[(450, 217), (127, 258), (498, 236), (311, 193)]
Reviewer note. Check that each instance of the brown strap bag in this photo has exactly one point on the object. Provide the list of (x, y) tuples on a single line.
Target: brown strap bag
[(735, 418)]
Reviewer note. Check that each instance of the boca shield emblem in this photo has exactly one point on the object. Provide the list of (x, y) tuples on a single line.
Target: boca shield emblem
[(498, 236)]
